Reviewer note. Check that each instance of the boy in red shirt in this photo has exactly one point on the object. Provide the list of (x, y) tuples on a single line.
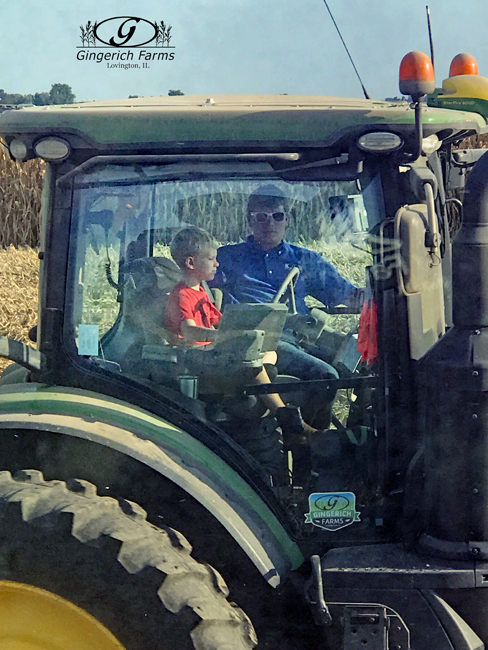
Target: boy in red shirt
[(192, 317), (190, 314)]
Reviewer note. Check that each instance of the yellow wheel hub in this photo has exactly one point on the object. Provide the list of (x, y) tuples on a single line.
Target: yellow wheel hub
[(34, 619)]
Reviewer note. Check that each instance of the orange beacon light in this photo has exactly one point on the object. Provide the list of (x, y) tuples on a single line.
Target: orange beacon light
[(463, 64), (416, 75)]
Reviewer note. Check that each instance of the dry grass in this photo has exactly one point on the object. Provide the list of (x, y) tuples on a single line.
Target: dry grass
[(19, 278)]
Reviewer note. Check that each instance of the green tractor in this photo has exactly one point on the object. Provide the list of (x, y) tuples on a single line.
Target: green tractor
[(140, 477)]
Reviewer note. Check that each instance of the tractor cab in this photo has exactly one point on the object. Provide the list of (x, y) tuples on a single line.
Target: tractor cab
[(360, 283), (120, 274)]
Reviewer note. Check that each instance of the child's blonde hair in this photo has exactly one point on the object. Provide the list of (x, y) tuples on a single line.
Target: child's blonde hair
[(189, 242)]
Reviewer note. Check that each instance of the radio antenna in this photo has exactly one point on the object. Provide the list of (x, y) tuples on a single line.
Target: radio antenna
[(365, 92), (429, 27)]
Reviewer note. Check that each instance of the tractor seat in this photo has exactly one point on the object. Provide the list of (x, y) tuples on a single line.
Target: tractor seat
[(141, 345), (144, 286)]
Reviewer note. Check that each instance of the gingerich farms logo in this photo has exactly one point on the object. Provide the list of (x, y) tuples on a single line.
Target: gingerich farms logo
[(126, 42), (332, 510)]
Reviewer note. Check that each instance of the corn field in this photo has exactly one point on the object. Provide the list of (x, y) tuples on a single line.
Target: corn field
[(19, 277), (222, 209), (20, 204), (20, 201)]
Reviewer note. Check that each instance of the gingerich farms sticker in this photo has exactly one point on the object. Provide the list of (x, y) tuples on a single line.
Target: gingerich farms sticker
[(332, 510)]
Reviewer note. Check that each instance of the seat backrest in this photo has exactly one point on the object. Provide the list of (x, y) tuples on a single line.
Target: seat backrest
[(145, 287)]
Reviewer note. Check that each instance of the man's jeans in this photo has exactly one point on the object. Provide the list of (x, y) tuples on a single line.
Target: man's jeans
[(294, 360)]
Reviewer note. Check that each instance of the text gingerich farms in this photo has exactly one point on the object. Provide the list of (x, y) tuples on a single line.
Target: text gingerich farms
[(128, 55)]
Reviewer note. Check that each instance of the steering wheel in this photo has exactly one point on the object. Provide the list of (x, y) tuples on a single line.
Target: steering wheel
[(288, 285)]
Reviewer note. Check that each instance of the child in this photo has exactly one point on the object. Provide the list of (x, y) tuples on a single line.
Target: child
[(190, 314), (192, 317)]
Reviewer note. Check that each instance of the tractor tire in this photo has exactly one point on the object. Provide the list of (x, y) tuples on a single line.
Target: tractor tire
[(101, 554)]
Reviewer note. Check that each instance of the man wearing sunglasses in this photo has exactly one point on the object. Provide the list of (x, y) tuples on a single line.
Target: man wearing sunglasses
[(254, 270)]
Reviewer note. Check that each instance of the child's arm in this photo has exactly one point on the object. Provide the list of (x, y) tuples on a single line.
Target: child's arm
[(192, 333)]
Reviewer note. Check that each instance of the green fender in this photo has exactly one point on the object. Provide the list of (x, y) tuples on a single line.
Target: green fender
[(165, 448)]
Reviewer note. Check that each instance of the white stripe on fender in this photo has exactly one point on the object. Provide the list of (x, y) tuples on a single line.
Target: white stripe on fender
[(87, 400)]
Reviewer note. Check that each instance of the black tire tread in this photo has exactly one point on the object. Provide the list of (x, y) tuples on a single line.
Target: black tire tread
[(188, 583)]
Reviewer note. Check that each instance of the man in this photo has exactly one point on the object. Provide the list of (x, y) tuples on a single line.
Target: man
[(254, 270)]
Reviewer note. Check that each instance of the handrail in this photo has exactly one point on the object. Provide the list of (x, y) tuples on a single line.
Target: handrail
[(21, 353)]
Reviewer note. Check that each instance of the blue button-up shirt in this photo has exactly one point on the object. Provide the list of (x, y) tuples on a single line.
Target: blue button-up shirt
[(251, 274)]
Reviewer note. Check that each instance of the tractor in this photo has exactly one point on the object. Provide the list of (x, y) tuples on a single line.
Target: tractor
[(148, 499)]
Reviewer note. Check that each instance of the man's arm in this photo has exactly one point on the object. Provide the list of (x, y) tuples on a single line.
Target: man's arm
[(325, 283)]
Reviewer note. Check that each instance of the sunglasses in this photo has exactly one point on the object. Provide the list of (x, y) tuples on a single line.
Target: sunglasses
[(262, 217)]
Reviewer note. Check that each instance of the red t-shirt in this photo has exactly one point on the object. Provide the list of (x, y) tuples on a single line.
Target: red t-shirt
[(185, 302)]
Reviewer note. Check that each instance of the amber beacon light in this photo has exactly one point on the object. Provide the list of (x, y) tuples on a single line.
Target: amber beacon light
[(463, 64), (416, 75)]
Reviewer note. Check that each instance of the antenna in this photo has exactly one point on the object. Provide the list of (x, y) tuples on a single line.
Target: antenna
[(365, 92), (430, 36)]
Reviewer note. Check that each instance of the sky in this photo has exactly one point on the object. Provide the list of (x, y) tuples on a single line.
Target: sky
[(239, 46)]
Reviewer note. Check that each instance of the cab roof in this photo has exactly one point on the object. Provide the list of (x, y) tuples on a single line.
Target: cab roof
[(265, 119)]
